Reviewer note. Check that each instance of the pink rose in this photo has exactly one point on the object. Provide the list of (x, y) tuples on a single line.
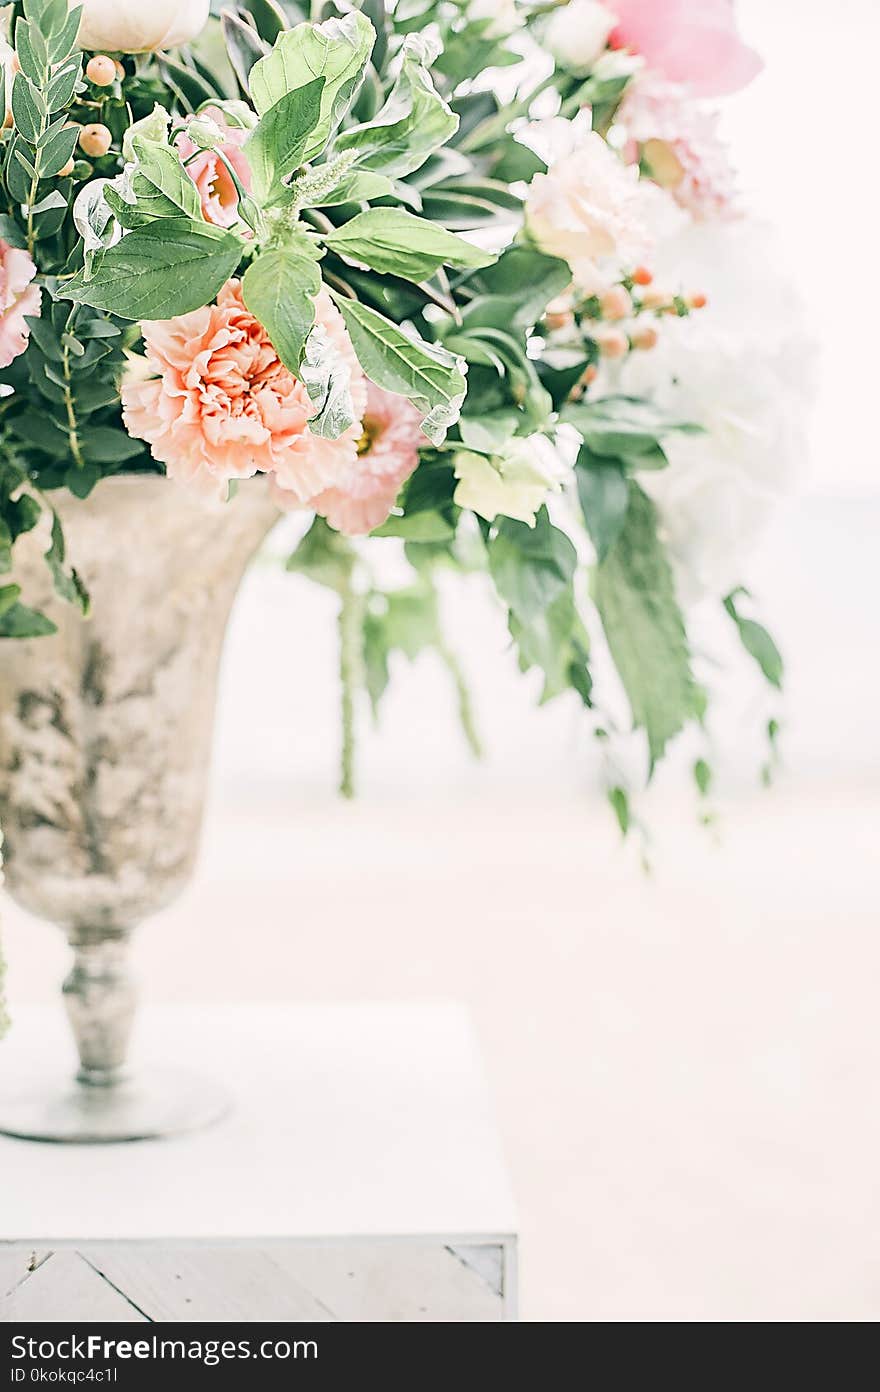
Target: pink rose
[(688, 41), (217, 191), (18, 298), (388, 452), (218, 404)]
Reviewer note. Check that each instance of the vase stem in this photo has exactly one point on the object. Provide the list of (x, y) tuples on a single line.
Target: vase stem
[(100, 997)]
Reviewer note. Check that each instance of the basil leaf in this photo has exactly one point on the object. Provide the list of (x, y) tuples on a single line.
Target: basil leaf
[(428, 374), (336, 50), (395, 242), (169, 267), (279, 287)]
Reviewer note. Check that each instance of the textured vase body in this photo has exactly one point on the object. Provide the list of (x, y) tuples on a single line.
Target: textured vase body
[(106, 725)]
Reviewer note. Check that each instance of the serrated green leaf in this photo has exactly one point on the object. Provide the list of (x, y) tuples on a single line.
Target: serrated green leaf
[(635, 596), (531, 566), (426, 373), (604, 497)]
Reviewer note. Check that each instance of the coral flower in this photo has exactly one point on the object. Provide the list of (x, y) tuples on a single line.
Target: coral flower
[(215, 402), (387, 453), (18, 299), (217, 191)]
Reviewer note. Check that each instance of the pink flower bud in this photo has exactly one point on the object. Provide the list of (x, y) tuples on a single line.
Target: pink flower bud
[(615, 302)]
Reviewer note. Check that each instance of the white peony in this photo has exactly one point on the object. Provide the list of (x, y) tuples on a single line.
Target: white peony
[(503, 15), (588, 209), (577, 34), (515, 484), (739, 368), (140, 26)]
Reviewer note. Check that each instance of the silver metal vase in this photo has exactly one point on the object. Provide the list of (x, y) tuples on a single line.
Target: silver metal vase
[(105, 741)]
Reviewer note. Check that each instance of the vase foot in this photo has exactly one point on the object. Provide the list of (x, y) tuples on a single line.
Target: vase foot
[(149, 1105)]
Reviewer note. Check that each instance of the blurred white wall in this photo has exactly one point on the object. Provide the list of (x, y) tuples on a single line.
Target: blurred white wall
[(803, 136)]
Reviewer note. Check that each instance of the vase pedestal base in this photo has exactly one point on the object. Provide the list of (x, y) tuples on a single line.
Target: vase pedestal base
[(150, 1104)]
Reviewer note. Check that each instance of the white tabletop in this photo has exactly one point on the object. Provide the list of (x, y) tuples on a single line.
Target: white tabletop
[(349, 1120)]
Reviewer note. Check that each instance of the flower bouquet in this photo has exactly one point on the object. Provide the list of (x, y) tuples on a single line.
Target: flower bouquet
[(395, 267)]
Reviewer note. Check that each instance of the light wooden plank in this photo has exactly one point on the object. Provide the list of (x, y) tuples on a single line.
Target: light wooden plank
[(65, 1288), (487, 1260), (17, 1262), (390, 1282), (206, 1283)]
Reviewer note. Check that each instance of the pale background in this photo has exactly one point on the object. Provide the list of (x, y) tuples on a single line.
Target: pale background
[(684, 1064)]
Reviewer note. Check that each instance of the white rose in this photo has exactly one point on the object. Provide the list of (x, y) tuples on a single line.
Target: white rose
[(514, 484), (577, 34), (140, 26), (589, 210)]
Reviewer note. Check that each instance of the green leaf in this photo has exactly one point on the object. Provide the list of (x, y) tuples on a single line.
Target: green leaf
[(277, 144), (394, 242), (324, 556), (489, 434), (619, 800), (555, 641), (635, 596), (57, 151), (426, 373), (17, 620), (531, 566), (702, 777), (414, 122), (327, 377), (104, 444), (66, 580), (28, 109), (169, 267), (604, 497), (336, 50), (757, 642), (279, 288), (158, 187), (62, 85), (527, 281), (625, 427)]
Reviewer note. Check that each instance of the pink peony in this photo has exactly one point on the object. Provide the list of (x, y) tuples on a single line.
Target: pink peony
[(18, 298), (388, 452), (681, 144), (690, 42), (220, 405), (210, 175)]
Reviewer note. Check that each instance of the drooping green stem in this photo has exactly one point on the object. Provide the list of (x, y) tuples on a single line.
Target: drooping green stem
[(465, 705), (350, 610)]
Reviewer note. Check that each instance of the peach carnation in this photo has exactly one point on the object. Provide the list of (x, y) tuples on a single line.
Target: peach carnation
[(18, 299), (219, 404), (387, 454), (217, 191)]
